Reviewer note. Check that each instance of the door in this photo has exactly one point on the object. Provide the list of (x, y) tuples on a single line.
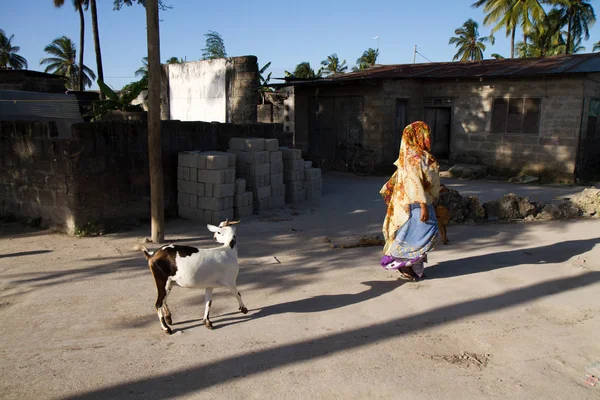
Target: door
[(349, 121), (438, 119), (588, 156), (321, 124)]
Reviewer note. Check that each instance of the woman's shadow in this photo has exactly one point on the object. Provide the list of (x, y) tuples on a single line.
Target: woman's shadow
[(319, 303), (551, 254)]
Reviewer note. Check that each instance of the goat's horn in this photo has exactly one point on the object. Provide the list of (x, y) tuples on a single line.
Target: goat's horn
[(234, 222)]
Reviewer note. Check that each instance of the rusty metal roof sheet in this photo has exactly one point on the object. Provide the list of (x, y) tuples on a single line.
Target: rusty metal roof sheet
[(510, 67)]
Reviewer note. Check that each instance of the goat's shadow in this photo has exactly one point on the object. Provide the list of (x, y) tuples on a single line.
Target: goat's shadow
[(555, 253), (314, 304)]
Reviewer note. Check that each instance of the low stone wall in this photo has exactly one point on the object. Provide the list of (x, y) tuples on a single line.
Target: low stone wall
[(99, 175)]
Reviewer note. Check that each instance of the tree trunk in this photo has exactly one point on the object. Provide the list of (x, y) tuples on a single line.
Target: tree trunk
[(81, 46), (154, 137), (99, 71), (512, 42)]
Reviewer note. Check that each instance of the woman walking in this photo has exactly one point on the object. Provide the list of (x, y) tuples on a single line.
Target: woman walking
[(410, 226)]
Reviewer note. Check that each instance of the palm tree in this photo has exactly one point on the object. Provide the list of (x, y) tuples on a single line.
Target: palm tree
[(304, 71), (497, 56), (63, 63), (367, 60), (578, 16), (544, 38), (332, 65), (143, 70), (99, 68), (596, 46), (9, 59), (174, 60), (79, 5), (215, 47), (470, 45), (495, 11)]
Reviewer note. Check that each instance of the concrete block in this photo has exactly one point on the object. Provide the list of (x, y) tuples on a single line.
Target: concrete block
[(313, 194), (183, 173), (241, 200), (262, 193), (214, 203), (240, 185), (307, 164), (295, 197), (271, 144), (193, 201), (187, 186), (254, 169), (214, 161), (201, 189), (262, 205), (220, 190), (275, 156), (312, 174), (252, 157), (276, 167), (277, 202), (249, 198), (291, 175), (242, 212), (277, 190), (214, 217), (183, 199), (186, 159), (293, 165), (294, 186), (217, 176), (188, 213), (193, 174), (316, 184), (277, 179), (256, 182), (291, 154), (237, 144)]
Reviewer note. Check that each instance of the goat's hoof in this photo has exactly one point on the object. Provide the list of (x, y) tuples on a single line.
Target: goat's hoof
[(169, 320), (168, 331), (244, 310), (208, 324)]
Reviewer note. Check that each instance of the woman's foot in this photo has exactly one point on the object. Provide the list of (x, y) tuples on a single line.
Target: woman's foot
[(407, 273)]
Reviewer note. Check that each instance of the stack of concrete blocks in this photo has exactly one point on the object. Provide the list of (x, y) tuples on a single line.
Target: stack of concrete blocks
[(242, 203), (293, 175), (206, 186), (313, 184), (254, 167), (277, 175)]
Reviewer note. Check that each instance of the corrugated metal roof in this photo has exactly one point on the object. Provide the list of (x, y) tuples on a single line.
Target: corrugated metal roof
[(510, 67), (36, 106)]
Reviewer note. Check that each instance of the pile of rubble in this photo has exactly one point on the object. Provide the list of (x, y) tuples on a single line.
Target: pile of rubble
[(513, 207)]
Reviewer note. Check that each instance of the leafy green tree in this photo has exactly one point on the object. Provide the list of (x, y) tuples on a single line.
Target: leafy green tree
[(304, 71), (9, 59), (173, 60), (578, 16), (470, 45), (117, 4), (215, 47), (332, 65), (62, 62)]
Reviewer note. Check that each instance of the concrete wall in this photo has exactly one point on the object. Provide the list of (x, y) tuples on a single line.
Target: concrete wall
[(554, 149), (100, 174), (222, 90)]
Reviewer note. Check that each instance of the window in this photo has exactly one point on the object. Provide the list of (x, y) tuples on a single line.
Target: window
[(593, 128), (516, 115)]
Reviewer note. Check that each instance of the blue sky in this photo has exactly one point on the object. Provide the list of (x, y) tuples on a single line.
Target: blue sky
[(285, 33)]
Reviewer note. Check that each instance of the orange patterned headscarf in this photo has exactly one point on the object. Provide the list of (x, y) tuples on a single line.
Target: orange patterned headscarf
[(415, 181)]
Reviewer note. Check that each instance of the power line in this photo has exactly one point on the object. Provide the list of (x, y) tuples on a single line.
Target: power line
[(424, 56)]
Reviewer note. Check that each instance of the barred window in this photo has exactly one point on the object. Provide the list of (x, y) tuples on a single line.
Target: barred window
[(516, 115)]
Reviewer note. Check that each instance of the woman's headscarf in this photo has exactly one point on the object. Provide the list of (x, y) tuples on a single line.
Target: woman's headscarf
[(415, 181)]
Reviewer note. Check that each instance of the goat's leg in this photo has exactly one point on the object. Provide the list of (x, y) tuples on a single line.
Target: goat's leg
[(234, 291), (208, 300), (162, 292), (166, 311)]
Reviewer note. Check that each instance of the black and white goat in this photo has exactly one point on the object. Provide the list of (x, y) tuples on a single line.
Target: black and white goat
[(190, 267)]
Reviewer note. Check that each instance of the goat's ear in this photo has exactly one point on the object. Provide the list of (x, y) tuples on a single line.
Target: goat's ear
[(212, 228)]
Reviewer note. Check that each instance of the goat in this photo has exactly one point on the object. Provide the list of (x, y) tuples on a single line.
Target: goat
[(190, 267)]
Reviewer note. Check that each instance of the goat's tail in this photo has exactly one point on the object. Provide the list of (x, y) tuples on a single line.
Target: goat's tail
[(144, 250)]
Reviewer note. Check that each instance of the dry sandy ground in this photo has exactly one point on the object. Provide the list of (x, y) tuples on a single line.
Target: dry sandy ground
[(510, 311)]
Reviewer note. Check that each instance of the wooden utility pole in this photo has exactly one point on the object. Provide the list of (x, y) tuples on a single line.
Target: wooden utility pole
[(154, 139)]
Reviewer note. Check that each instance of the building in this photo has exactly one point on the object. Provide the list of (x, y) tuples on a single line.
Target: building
[(538, 115)]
